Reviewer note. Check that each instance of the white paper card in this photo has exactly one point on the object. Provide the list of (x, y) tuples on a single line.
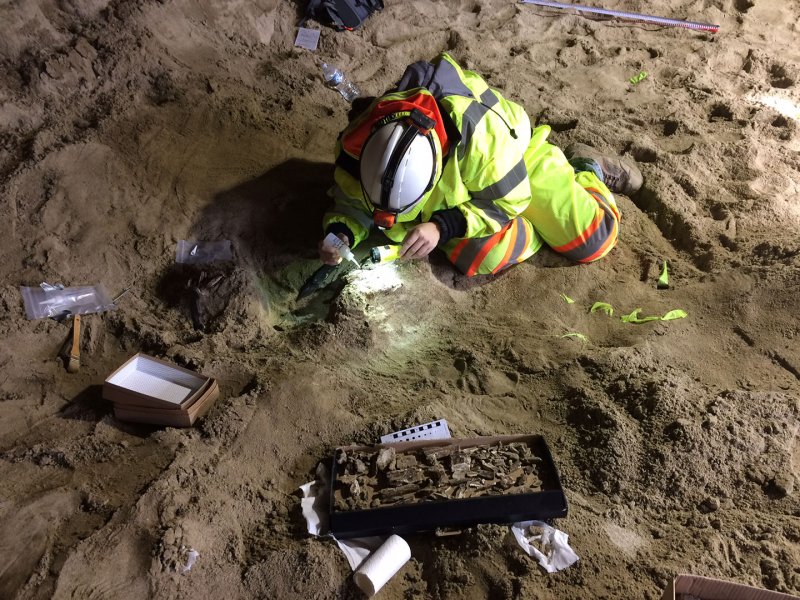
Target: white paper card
[(307, 38), (435, 430)]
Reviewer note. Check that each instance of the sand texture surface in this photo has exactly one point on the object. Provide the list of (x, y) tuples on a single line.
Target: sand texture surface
[(129, 125)]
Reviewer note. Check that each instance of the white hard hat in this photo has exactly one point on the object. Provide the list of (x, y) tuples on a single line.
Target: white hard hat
[(399, 163)]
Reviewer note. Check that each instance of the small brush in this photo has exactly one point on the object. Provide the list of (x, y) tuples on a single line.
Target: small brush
[(74, 358)]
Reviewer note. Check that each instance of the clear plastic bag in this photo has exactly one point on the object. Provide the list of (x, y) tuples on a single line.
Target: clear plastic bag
[(196, 252), (47, 301)]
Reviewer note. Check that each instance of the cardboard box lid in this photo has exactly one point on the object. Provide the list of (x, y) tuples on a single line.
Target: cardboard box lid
[(148, 381), (707, 588)]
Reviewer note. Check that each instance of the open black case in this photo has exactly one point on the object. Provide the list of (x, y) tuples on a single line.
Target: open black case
[(549, 503)]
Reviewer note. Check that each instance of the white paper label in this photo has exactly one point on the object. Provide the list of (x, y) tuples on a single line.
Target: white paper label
[(307, 38), (435, 430)]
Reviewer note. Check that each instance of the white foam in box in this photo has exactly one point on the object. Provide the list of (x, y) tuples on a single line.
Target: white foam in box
[(149, 377), (149, 390)]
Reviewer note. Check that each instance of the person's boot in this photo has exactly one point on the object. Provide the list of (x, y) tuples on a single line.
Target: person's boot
[(620, 174)]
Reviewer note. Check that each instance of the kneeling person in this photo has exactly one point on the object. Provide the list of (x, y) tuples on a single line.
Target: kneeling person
[(445, 161)]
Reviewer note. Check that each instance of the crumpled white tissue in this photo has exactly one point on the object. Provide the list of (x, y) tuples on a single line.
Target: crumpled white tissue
[(557, 556), (314, 505), (357, 550), (191, 558), (314, 502)]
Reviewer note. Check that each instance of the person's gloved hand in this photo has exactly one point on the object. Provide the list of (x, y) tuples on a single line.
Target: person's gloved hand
[(329, 255), (420, 241)]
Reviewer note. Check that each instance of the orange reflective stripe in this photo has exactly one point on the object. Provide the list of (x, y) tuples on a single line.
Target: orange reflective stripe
[(611, 239), (512, 241), (485, 249), (583, 237), (587, 233), (598, 195), (607, 245), (457, 250)]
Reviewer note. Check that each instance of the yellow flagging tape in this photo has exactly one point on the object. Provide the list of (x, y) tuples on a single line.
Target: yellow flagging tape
[(567, 299), (663, 279), (603, 306), (629, 318), (674, 314), (579, 336), (634, 316), (670, 316)]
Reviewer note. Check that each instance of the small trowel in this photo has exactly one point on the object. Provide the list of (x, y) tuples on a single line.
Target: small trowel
[(318, 280)]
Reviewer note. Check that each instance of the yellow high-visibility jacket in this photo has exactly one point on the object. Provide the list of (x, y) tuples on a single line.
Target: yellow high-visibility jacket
[(486, 175)]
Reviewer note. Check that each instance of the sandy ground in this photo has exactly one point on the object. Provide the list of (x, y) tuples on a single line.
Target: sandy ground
[(128, 125)]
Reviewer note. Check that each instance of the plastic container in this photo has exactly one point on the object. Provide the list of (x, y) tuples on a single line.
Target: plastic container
[(49, 301), (333, 241), (334, 78), (197, 252)]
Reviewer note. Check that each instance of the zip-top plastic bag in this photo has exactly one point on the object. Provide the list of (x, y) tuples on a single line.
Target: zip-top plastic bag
[(49, 301), (197, 252)]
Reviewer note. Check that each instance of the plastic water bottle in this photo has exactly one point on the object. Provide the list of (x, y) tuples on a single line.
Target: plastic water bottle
[(334, 78)]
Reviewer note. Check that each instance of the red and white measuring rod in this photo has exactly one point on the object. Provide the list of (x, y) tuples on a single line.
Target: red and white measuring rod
[(627, 15)]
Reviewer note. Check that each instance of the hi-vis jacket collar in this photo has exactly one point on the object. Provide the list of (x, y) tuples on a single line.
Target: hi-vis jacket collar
[(396, 103)]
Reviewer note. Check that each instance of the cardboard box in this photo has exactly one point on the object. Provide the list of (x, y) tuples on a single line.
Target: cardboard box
[(146, 389), (454, 513), (706, 588)]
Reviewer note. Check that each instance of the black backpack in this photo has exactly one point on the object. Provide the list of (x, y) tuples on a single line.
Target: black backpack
[(342, 14)]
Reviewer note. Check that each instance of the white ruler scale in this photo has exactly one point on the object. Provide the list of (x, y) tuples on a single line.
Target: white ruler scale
[(435, 430)]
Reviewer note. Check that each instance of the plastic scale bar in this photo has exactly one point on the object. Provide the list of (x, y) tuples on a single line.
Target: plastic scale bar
[(435, 430), (628, 15)]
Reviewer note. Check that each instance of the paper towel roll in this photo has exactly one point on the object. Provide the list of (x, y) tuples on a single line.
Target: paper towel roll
[(382, 564)]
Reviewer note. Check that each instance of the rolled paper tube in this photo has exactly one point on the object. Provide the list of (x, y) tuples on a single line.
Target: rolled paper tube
[(381, 565)]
